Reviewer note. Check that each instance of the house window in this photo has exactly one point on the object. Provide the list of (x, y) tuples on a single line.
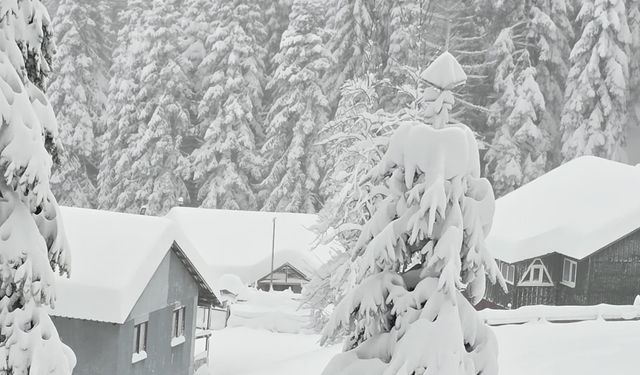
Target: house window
[(508, 272), (177, 326), (139, 342), (569, 271), (536, 275)]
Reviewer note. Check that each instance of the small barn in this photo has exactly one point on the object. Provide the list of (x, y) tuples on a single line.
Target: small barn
[(569, 237), (130, 304), (240, 243)]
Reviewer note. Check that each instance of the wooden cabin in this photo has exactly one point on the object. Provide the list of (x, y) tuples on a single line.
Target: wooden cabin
[(284, 277), (570, 237)]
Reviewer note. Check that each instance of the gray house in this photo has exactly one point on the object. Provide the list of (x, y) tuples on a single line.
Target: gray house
[(130, 304)]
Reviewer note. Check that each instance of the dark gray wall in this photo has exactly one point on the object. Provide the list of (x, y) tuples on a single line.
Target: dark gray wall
[(105, 348), (95, 344)]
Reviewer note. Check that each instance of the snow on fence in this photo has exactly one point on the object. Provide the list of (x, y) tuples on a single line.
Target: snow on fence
[(559, 314)]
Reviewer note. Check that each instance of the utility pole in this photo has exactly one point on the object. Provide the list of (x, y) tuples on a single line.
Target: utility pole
[(273, 251)]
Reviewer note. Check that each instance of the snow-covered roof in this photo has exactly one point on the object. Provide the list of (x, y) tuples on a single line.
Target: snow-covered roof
[(113, 257), (239, 242), (575, 210)]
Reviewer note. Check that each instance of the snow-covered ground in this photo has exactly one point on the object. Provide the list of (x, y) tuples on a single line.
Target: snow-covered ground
[(584, 348)]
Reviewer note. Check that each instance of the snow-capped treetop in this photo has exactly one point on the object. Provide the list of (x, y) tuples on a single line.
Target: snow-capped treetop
[(445, 72)]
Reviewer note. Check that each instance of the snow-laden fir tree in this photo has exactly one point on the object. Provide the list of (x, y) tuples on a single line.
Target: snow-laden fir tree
[(353, 142), (422, 253), (78, 94), (276, 15), (634, 63), (226, 164), (33, 244), (121, 118), (299, 109), (153, 176), (518, 151), (551, 31), (595, 109), (354, 35)]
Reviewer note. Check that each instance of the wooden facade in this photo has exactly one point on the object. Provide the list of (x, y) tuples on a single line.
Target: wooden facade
[(284, 277), (610, 275)]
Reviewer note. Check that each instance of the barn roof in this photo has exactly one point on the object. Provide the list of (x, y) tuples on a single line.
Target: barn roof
[(114, 256), (239, 242), (575, 210)]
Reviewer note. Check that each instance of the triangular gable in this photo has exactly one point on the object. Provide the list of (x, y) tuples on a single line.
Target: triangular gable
[(536, 274), (294, 272), (206, 297)]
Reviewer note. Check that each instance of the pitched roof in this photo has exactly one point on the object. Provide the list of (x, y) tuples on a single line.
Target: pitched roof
[(575, 210), (239, 242), (114, 256)]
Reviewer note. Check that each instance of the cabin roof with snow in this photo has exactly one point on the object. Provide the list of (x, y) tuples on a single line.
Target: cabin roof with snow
[(239, 242), (575, 210), (114, 256)]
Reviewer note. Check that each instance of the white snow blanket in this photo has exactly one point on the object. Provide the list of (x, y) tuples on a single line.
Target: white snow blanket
[(575, 210), (239, 242)]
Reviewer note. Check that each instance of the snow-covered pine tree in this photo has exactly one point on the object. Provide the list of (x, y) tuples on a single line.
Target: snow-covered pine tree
[(33, 245), (226, 164), (276, 15), (634, 63), (300, 108), (353, 29), (78, 94), (595, 109), (154, 178), (422, 245), (121, 119), (552, 33), (518, 151), (354, 143)]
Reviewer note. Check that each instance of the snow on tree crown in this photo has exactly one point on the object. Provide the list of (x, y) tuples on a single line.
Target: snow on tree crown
[(445, 72)]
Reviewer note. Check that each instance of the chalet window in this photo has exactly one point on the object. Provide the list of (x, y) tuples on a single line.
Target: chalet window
[(139, 342), (177, 326), (569, 271), (508, 272), (536, 275)]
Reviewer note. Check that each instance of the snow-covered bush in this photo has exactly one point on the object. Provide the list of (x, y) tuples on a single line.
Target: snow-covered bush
[(420, 257)]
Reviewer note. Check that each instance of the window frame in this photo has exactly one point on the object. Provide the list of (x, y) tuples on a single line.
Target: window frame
[(507, 270), (178, 325), (140, 341), (572, 272)]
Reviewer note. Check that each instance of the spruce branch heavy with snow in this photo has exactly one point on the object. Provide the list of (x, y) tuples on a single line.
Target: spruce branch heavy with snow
[(33, 245), (78, 95), (421, 256), (595, 111), (299, 110), (225, 165)]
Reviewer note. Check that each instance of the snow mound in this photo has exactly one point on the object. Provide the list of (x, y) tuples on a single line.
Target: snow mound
[(538, 313), (231, 283), (272, 311)]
